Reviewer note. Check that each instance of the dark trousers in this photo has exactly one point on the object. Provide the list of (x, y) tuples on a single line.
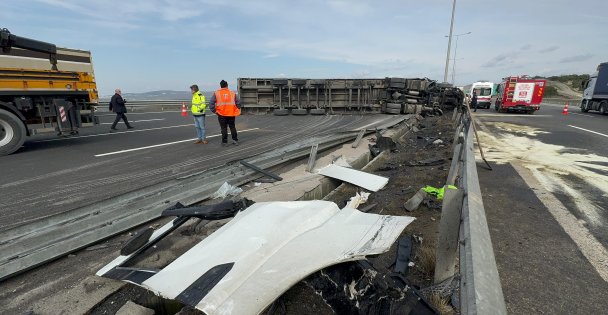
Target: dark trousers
[(475, 107), (120, 116), (226, 122)]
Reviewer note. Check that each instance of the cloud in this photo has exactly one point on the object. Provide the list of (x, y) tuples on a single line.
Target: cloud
[(549, 49), (526, 47), (501, 60), (271, 55), (576, 58)]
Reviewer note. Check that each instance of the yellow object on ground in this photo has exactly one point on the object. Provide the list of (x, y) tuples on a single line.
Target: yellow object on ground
[(437, 192)]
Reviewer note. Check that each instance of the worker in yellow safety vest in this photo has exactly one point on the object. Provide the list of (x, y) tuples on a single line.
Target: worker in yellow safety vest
[(226, 104), (198, 112)]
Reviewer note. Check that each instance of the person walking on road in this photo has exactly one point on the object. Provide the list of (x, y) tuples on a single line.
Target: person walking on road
[(198, 112), (226, 104), (117, 104), (474, 101)]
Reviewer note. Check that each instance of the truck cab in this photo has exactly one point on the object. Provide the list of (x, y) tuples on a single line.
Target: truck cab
[(595, 94)]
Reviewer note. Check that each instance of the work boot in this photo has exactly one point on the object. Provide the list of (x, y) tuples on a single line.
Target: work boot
[(235, 142), (224, 144), (112, 129), (198, 141), (130, 127), (204, 142)]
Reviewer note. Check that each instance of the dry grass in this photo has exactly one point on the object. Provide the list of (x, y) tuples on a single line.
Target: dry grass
[(441, 304), (425, 259)]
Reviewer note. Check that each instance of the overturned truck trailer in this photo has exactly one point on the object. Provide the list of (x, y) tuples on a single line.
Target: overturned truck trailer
[(321, 96)]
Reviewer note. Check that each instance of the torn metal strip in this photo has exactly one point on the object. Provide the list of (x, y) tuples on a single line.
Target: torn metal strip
[(362, 179)]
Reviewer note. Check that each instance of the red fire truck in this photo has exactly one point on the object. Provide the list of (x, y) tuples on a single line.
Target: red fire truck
[(521, 93)]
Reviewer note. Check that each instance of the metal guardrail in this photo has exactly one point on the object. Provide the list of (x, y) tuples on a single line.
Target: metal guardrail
[(464, 231)]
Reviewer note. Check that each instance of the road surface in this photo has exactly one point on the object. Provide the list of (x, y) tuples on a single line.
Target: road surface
[(546, 208), (50, 175)]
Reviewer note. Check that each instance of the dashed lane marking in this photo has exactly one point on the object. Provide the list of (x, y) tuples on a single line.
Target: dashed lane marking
[(162, 144)]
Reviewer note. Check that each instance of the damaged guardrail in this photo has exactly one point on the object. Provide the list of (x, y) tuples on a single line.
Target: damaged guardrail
[(32, 244), (464, 232)]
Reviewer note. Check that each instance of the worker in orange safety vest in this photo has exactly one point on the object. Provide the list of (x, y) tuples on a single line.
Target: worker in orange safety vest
[(226, 104)]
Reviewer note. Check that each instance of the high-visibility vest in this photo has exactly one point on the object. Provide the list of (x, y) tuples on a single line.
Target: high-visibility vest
[(198, 104), (225, 103)]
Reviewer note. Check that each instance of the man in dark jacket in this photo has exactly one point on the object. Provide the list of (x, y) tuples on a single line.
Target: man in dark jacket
[(474, 101), (117, 104)]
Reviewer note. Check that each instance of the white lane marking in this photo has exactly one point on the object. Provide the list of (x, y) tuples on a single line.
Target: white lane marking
[(115, 133), (163, 144), (591, 248), (583, 115), (510, 115), (591, 131), (137, 121)]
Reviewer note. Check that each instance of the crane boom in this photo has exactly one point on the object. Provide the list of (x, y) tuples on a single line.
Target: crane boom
[(8, 41)]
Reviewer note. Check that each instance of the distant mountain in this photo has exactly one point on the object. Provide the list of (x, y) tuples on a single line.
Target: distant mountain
[(158, 95)]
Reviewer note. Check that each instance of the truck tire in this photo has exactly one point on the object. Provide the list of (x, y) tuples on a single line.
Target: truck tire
[(317, 111), (281, 112), (603, 107), (12, 132), (584, 106), (299, 111)]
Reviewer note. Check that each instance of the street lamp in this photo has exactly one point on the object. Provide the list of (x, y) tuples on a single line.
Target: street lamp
[(455, 50), (447, 58)]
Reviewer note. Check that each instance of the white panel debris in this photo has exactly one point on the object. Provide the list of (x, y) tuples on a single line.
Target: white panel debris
[(266, 249), (362, 179)]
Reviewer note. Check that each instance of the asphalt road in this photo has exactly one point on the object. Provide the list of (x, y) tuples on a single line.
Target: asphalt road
[(50, 175), (546, 208)]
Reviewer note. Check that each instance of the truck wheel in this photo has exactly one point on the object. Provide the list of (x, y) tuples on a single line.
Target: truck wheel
[(299, 111), (281, 112), (12, 132), (603, 107), (584, 106)]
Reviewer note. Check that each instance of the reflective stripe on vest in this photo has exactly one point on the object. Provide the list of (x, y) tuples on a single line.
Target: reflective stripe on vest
[(225, 103), (198, 104)]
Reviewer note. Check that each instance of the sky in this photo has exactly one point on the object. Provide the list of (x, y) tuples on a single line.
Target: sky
[(147, 45)]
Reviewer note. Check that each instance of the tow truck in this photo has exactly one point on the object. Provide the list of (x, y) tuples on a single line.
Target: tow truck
[(43, 89), (520, 93)]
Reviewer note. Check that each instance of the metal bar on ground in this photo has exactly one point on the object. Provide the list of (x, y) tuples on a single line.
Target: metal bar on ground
[(359, 138), (259, 170), (312, 158)]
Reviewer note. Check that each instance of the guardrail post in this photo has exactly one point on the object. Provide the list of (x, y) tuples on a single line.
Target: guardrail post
[(449, 226)]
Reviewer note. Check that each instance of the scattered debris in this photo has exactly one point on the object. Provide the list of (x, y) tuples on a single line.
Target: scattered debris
[(358, 288), (404, 252), (139, 239), (429, 162), (131, 308), (226, 190), (368, 208), (357, 200), (437, 192), (259, 170), (246, 264), (362, 179), (438, 141), (414, 202)]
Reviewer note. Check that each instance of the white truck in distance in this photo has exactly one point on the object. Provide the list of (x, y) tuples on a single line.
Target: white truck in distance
[(595, 94)]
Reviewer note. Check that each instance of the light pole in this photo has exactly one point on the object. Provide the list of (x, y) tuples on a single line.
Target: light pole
[(455, 51), (447, 58)]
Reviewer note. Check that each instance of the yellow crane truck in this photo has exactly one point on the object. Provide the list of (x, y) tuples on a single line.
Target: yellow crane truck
[(43, 89)]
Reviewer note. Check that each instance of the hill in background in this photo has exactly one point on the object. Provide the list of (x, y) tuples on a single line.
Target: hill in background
[(567, 86), (162, 95)]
